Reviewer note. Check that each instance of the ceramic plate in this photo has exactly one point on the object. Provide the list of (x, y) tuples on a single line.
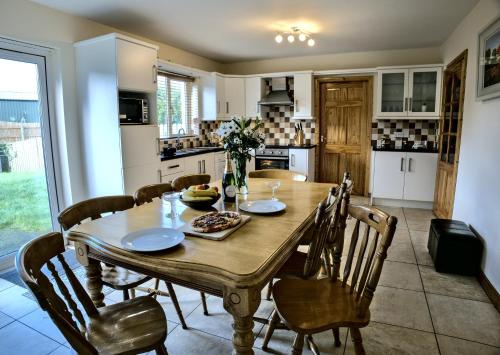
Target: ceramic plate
[(262, 206), (152, 239)]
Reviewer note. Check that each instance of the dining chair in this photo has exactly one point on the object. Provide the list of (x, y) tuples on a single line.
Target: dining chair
[(312, 306), (112, 276), (277, 174), (146, 194), (329, 224), (133, 326)]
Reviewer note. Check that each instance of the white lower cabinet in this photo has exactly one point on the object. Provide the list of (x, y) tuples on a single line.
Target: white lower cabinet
[(201, 164), (139, 176), (302, 161), (404, 176)]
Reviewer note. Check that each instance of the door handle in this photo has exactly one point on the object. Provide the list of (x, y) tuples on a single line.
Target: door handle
[(218, 106), (199, 166), (158, 150), (322, 139), (227, 106), (292, 160), (173, 166), (204, 171), (154, 74), (409, 164), (258, 108), (406, 104), (159, 175), (402, 164), (297, 105), (409, 104)]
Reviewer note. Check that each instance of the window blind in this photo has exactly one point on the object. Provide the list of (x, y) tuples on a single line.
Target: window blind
[(177, 105)]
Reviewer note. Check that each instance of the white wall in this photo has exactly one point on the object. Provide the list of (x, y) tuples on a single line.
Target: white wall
[(477, 198), (26, 21), (353, 60)]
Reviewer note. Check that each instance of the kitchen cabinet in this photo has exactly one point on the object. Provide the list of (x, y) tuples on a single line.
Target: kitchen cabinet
[(222, 97), (138, 176), (140, 145), (303, 96), (404, 176), (302, 161), (408, 93), (137, 65), (201, 164), (234, 97), (254, 89)]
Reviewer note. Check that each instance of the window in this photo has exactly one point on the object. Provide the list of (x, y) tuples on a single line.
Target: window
[(177, 101)]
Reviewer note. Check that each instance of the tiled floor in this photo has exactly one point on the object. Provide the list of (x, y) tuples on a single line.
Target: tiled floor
[(415, 311)]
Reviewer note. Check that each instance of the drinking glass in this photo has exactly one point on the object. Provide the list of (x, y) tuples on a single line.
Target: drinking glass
[(171, 197), (274, 185)]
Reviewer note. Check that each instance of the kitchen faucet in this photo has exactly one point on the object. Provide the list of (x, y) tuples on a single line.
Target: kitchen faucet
[(178, 144)]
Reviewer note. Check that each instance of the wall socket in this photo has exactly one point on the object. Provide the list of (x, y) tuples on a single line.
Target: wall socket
[(398, 134)]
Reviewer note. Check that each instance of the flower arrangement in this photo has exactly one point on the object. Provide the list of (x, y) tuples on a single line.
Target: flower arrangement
[(239, 136)]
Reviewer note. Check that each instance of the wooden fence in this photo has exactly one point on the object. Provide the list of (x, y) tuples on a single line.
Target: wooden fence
[(16, 131), (25, 150)]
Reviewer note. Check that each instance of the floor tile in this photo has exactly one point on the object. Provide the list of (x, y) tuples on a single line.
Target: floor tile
[(14, 304), (422, 255), (192, 341), (219, 320), (5, 319), (62, 350), (401, 307), (387, 339), (4, 284), (452, 285), (41, 322), (401, 275), (465, 319), (393, 211), (418, 224), (402, 252), (282, 340), (419, 237), (454, 346), (19, 339)]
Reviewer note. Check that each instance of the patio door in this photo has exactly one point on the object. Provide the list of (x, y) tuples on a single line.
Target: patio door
[(28, 201)]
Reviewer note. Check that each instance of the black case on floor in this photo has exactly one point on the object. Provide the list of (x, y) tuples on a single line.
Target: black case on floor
[(454, 248)]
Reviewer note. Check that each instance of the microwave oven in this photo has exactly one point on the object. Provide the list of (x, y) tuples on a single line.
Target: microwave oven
[(133, 110)]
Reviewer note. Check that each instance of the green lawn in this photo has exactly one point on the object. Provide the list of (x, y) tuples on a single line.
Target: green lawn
[(24, 209)]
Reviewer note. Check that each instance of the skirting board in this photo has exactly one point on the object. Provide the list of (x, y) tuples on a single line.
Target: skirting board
[(488, 288), (401, 203)]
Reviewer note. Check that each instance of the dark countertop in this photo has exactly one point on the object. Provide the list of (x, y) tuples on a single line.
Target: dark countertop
[(192, 151), (305, 146), (408, 150)]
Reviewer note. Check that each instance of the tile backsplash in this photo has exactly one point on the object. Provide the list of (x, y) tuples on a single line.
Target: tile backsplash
[(410, 130)]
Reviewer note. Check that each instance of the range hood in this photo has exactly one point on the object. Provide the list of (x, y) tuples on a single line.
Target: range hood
[(278, 95)]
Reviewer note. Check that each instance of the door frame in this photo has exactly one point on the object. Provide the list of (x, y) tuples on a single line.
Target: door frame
[(369, 119), (43, 57)]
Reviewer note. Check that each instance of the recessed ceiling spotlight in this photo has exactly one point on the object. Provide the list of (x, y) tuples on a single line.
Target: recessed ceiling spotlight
[(278, 38)]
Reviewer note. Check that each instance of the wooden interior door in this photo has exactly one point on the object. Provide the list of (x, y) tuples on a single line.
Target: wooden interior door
[(345, 123), (450, 130)]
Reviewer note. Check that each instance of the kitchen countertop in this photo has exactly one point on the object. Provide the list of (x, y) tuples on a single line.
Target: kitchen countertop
[(305, 146), (188, 152), (409, 150)]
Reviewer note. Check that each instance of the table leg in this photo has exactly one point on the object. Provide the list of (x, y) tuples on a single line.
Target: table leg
[(242, 305), (94, 282)]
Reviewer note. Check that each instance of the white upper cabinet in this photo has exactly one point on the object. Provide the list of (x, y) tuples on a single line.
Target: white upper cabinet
[(234, 89), (136, 66), (406, 93), (303, 96), (253, 94)]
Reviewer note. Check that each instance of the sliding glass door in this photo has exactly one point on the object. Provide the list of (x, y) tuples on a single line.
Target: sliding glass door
[(28, 198)]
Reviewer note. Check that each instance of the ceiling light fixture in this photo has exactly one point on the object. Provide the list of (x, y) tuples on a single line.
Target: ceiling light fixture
[(302, 35)]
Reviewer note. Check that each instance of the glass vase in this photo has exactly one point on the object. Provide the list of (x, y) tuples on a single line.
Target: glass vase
[(241, 176)]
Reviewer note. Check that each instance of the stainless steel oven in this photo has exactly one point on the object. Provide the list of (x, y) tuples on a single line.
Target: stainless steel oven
[(271, 158)]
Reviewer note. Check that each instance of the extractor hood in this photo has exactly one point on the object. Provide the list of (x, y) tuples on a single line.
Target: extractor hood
[(278, 95)]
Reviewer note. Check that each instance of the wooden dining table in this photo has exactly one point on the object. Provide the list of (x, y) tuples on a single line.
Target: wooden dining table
[(236, 268)]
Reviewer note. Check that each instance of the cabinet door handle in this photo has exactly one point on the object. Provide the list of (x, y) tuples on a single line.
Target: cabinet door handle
[(158, 143), (155, 79), (159, 175), (402, 164), (409, 164), (297, 105), (204, 171), (199, 166), (173, 166), (227, 106), (258, 108), (292, 160), (409, 104), (406, 104)]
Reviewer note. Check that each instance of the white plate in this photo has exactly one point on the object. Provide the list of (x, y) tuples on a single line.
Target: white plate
[(262, 206), (152, 239)]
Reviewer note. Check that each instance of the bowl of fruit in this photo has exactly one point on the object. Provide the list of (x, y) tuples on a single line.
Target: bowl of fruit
[(200, 197)]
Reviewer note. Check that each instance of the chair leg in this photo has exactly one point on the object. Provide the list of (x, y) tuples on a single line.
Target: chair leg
[(336, 336), (157, 287), (312, 345), (125, 295), (161, 350), (204, 303), (173, 296), (132, 293), (269, 290), (357, 340), (270, 329), (298, 344)]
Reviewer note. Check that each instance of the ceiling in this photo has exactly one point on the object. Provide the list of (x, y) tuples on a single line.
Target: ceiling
[(240, 30)]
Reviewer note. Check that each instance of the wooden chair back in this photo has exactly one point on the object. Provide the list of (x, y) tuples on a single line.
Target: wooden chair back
[(36, 264), (93, 208), (183, 182), (326, 227), (147, 193), (378, 232), (277, 174)]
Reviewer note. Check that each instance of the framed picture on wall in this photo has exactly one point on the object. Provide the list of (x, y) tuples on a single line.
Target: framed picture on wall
[(488, 80)]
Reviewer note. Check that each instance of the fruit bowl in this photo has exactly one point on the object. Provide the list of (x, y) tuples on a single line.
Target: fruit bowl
[(202, 205)]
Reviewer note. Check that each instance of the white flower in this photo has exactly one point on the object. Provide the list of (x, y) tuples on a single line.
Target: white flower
[(237, 141)]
